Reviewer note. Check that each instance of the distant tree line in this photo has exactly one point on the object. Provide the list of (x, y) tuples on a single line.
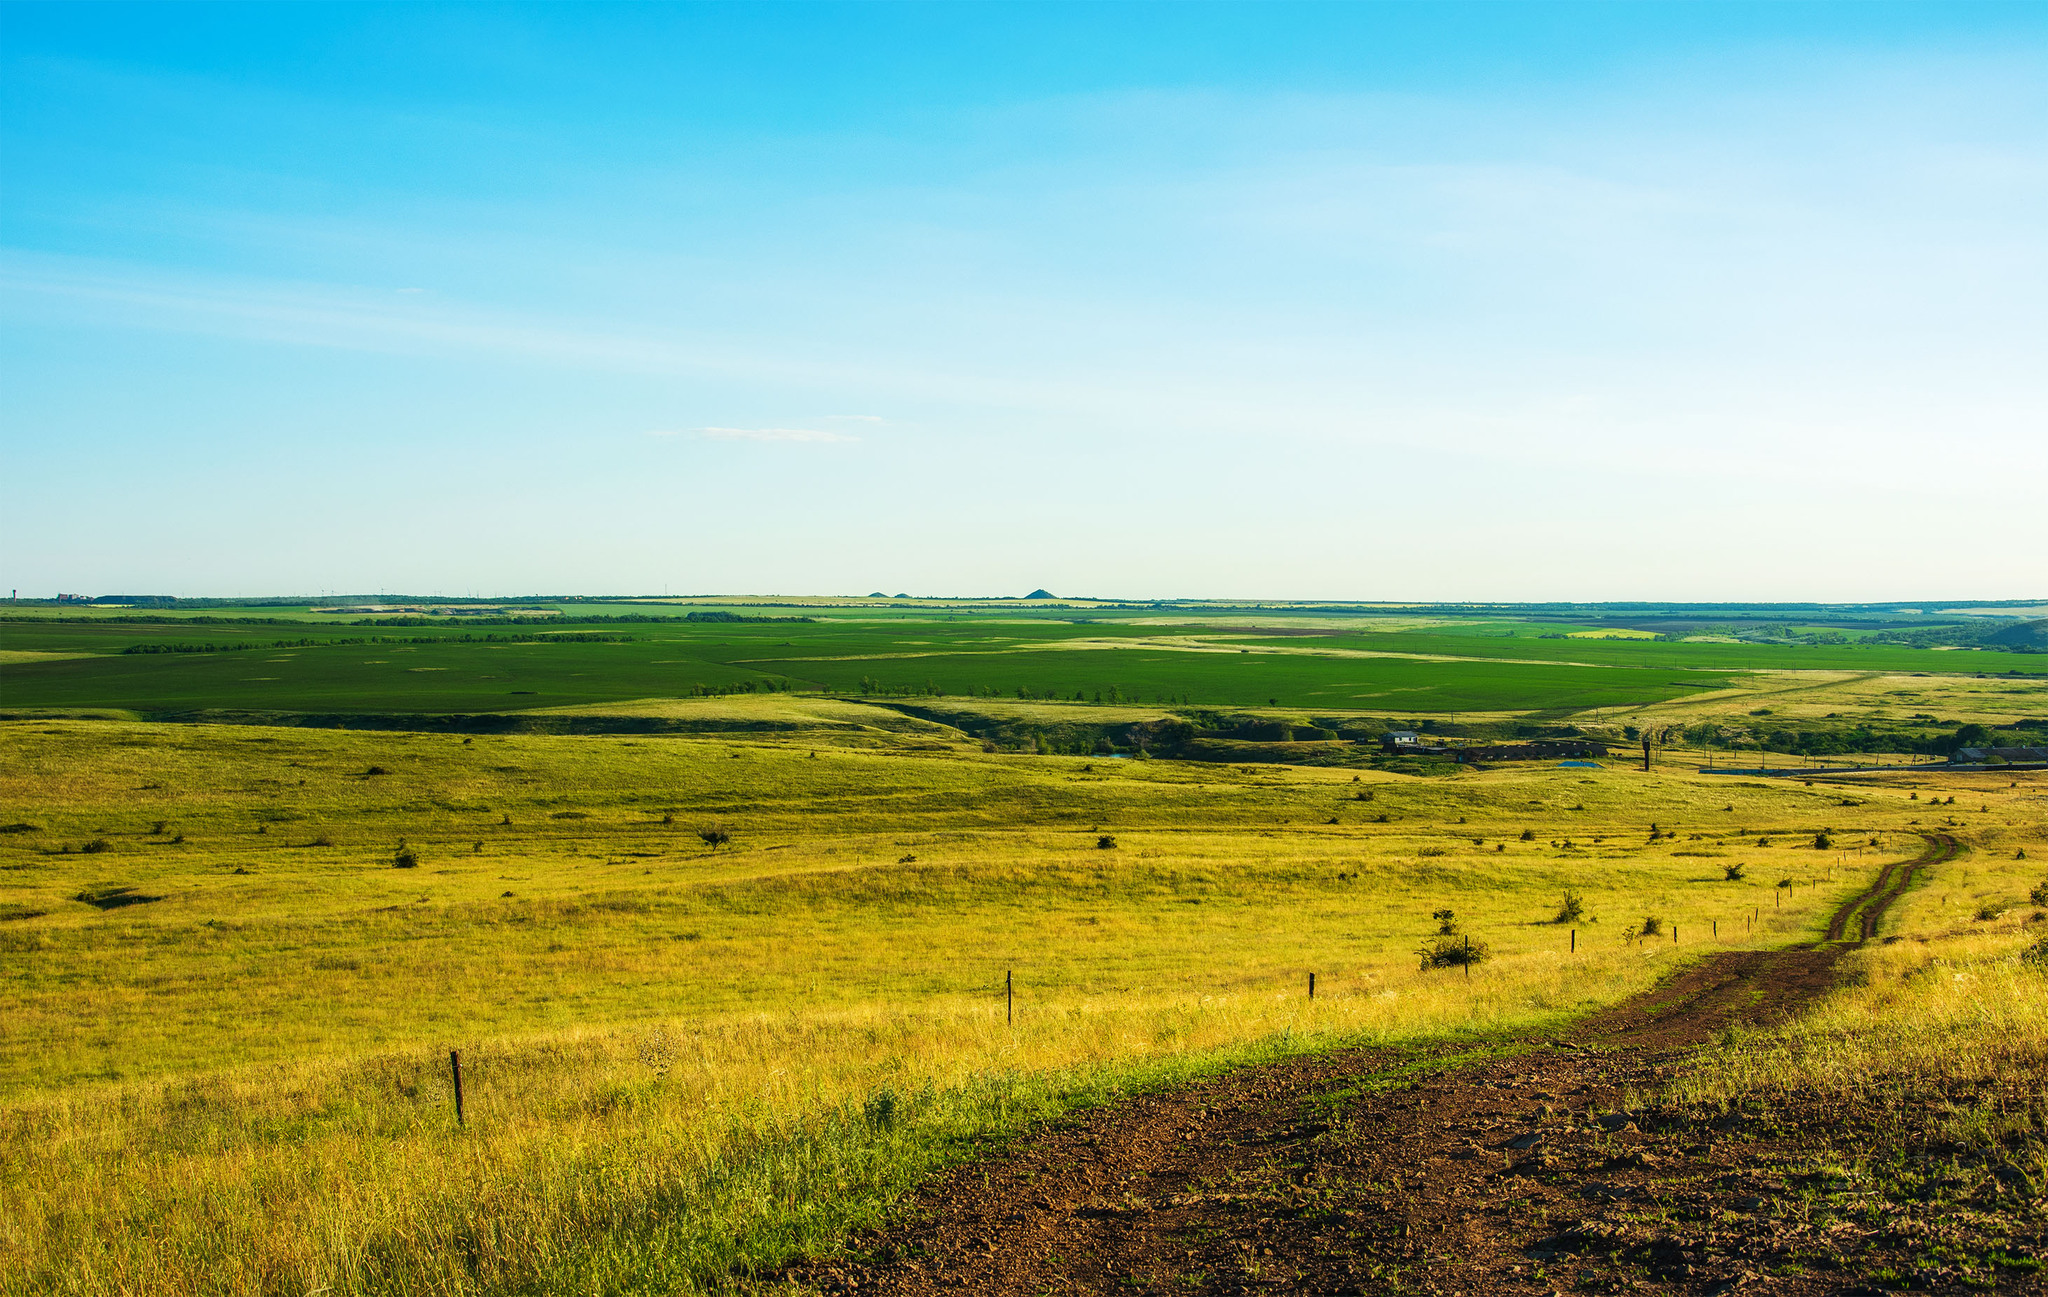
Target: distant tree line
[(763, 686), (1859, 738)]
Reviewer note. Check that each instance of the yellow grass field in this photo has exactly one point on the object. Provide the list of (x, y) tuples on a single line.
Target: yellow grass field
[(226, 1067)]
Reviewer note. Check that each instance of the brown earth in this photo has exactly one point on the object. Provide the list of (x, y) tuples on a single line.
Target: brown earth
[(1526, 1166)]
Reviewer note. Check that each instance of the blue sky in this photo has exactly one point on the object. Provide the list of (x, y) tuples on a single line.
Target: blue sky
[(1707, 301)]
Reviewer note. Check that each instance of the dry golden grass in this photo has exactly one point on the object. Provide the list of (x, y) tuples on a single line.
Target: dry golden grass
[(684, 1063)]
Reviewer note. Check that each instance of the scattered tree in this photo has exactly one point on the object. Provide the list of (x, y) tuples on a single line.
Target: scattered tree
[(1446, 922), (714, 837), (1734, 872), (1571, 908)]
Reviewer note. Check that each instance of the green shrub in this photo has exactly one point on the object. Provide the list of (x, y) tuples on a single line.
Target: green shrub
[(1451, 952), (1571, 908)]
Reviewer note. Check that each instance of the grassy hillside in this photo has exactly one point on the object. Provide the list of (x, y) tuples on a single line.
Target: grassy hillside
[(226, 1069)]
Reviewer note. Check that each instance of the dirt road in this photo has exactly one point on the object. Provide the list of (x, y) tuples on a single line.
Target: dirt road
[(1524, 1167)]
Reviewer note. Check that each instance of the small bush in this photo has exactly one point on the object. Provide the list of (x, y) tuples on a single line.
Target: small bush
[(1446, 922), (714, 838), (1107, 842), (1430, 851), (2039, 895), (375, 770), (1571, 908), (158, 827), (1989, 911), (1652, 926), (1528, 835), (96, 846), (1735, 872), (880, 1111), (406, 858), (322, 841), (2036, 954), (1822, 842), (1451, 952)]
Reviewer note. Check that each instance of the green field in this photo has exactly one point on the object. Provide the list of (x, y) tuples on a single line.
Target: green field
[(1349, 663)]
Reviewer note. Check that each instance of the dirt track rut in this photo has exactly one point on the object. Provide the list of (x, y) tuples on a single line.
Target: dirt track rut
[(1367, 1171)]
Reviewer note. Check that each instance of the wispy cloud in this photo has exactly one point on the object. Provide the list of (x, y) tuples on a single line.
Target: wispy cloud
[(758, 434)]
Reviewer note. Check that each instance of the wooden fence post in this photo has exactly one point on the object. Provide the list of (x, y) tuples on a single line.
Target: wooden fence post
[(1311, 986), (455, 1067), (1009, 998)]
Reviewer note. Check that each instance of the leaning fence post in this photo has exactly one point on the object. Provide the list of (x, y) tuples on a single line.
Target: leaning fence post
[(455, 1068)]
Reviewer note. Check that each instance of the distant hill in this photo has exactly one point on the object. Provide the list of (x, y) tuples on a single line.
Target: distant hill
[(2026, 634), (1041, 594)]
